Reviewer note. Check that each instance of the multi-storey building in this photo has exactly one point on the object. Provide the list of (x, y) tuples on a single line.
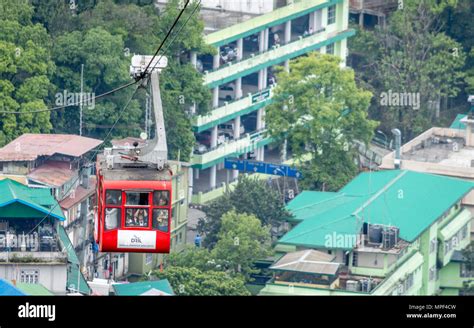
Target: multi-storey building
[(445, 151), (34, 248), (385, 233), (56, 162), (251, 39), (372, 12)]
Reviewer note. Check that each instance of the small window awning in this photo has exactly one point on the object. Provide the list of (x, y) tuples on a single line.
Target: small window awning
[(448, 231)]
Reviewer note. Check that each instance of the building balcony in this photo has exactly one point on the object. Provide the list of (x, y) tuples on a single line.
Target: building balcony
[(454, 236), (245, 144), (276, 55), (233, 109), (279, 16)]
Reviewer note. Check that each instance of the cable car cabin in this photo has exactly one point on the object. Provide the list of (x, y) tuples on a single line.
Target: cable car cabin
[(133, 209)]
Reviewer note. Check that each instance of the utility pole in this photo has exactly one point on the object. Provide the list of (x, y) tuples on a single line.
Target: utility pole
[(82, 99)]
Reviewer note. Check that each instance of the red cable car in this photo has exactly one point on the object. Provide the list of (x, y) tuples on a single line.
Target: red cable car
[(134, 187)]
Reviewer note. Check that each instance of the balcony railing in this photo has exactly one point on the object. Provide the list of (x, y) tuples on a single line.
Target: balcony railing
[(274, 55), (232, 109), (246, 143)]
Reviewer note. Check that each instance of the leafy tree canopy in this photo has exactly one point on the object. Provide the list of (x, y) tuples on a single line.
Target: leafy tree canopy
[(320, 110), (251, 196)]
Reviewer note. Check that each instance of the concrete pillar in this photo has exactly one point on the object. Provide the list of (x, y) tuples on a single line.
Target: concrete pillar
[(260, 119), (215, 97), (266, 38), (287, 65), (196, 173), (212, 176), (288, 31), (261, 79), (312, 22), (265, 77), (261, 41), (237, 127), (214, 137), (361, 20), (193, 58), (190, 184), (261, 154), (240, 48), (217, 59), (238, 88)]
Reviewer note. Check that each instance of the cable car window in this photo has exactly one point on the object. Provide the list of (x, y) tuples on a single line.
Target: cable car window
[(136, 217), (137, 198), (113, 197), (112, 218), (160, 219), (161, 198)]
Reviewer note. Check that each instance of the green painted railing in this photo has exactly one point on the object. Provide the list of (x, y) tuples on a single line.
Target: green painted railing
[(275, 56), (230, 111)]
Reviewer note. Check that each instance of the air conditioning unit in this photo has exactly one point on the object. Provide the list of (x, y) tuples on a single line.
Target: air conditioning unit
[(352, 285)]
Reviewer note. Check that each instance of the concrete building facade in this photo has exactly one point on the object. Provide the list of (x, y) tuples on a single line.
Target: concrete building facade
[(249, 45)]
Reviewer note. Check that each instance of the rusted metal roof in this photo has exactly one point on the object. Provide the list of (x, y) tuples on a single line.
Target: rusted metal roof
[(78, 195), (30, 146), (53, 173)]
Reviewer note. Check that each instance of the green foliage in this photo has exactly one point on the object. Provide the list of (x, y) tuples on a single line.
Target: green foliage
[(251, 196), (320, 110), (101, 35), (242, 239), (410, 55), (26, 68), (191, 281)]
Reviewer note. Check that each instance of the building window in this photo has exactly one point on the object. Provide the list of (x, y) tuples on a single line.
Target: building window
[(331, 15), (29, 276), (148, 258), (330, 49)]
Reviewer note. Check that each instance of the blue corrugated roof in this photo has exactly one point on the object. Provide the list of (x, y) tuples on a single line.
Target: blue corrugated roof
[(7, 289)]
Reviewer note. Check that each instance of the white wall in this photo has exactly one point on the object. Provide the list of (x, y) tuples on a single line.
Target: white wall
[(51, 276), (245, 6)]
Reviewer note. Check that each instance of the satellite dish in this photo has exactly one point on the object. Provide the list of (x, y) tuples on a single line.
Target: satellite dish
[(143, 136)]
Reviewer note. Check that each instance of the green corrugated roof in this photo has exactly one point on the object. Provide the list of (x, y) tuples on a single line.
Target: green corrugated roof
[(73, 266), (409, 200), (18, 200), (142, 287), (457, 122), (34, 289)]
